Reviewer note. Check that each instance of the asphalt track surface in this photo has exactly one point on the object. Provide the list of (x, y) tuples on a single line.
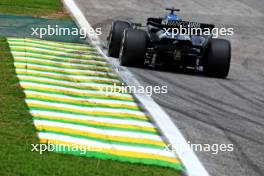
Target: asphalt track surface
[(208, 110)]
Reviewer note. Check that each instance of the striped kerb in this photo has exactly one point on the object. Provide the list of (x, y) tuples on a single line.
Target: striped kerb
[(65, 86)]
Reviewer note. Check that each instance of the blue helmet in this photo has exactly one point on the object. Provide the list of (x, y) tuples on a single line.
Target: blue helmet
[(172, 17)]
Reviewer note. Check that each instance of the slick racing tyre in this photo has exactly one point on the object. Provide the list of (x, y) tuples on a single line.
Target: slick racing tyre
[(115, 37), (217, 59), (133, 48)]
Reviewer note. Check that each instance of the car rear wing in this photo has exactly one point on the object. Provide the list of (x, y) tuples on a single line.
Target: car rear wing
[(163, 24)]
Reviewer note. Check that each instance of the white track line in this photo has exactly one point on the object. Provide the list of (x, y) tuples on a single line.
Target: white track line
[(171, 132)]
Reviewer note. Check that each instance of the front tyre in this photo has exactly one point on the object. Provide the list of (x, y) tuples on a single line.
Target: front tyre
[(217, 58), (133, 49)]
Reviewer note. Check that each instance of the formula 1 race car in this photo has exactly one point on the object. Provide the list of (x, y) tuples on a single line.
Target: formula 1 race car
[(159, 43)]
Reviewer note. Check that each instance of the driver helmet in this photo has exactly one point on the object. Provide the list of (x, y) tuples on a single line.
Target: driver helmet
[(172, 17)]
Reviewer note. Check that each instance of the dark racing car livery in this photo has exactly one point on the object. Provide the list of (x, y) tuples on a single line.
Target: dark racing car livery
[(157, 44)]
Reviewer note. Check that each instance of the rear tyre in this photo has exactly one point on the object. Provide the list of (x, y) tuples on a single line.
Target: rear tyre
[(133, 49), (217, 59), (115, 37)]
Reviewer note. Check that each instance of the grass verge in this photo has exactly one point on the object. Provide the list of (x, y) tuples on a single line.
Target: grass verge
[(36, 8)]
